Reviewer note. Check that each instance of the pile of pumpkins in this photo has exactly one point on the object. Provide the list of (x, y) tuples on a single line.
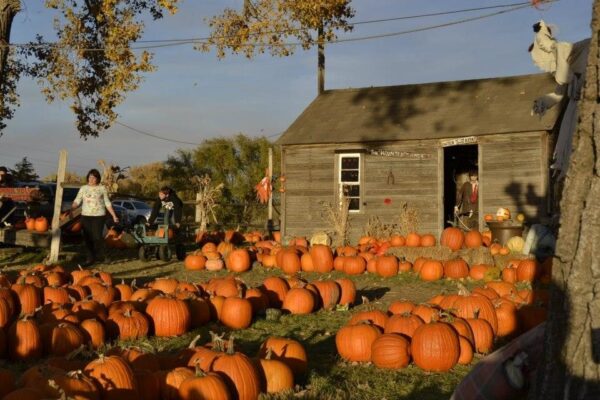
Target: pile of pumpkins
[(39, 224), (211, 371), (445, 331)]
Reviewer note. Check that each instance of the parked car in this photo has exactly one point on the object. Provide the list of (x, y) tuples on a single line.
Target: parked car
[(47, 203), (123, 215), (138, 211)]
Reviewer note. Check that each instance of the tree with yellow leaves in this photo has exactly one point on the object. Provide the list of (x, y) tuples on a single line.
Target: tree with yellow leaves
[(270, 25), (92, 64)]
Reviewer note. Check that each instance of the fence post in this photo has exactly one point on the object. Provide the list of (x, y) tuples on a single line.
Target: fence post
[(58, 195)]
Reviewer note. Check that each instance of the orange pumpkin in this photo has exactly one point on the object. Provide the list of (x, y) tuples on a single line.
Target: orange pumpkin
[(238, 260), (427, 240), (41, 224), (452, 238)]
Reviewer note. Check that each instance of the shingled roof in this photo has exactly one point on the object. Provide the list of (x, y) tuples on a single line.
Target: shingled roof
[(424, 111)]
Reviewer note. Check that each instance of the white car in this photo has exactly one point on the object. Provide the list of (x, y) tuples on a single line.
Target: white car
[(137, 210)]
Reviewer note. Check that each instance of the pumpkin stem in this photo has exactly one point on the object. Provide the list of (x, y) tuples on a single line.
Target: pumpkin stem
[(462, 290), (230, 350), (199, 372), (133, 283), (269, 353), (194, 342), (476, 313)]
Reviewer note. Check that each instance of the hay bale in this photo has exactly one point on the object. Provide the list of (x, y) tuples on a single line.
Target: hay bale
[(441, 253), (479, 255), (320, 238)]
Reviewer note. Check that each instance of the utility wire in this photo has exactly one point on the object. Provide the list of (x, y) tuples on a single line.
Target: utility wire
[(204, 40), (141, 132)]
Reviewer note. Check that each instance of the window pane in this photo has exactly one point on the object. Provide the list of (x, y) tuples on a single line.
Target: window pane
[(349, 176), (128, 206), (349, 162), (352, 190), (354, 204)]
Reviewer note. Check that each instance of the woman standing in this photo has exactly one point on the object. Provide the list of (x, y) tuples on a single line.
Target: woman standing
[(94, 200)]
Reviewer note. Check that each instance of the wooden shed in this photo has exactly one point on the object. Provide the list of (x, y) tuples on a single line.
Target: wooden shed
[(388, 145)]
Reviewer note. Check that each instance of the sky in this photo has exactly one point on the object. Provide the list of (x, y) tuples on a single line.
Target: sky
[(194, 96)]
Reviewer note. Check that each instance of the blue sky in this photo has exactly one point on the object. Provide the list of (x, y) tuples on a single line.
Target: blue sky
[(194, 96)]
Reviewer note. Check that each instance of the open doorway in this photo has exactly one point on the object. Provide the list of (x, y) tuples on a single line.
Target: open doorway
[(458, 161)]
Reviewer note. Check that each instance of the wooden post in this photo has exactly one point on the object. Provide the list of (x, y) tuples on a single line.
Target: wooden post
[(60, 178), (198, 217), (321, 61), (270, 206)]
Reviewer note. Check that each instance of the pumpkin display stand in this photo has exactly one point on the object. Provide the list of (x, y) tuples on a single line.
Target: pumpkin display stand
[(504, 230)]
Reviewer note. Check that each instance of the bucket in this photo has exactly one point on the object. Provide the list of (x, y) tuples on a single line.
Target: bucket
[(504, 230)]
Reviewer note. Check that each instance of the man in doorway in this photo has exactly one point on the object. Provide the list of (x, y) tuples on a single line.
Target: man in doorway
[(467, 202)]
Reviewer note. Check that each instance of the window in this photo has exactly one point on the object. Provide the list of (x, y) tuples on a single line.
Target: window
[(141, 206), (349, 179), (128, 205)]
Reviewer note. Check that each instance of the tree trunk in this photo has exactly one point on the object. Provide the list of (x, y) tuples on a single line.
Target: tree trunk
[(570, 368), (8, 10), (321, 61)]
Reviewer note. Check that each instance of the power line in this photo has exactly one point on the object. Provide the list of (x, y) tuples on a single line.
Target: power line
[(203, 40), (154, 135)]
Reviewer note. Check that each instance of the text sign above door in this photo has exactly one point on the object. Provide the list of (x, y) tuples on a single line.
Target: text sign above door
[(458, 141)]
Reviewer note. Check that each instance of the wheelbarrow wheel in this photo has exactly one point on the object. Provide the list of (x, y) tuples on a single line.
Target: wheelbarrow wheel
[(144, 253), (164, 253)]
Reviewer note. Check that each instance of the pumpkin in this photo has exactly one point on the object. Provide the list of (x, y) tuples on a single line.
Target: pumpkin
[(483, 334), (160, 233), (194, 262), (468, 306), (427, 312), (87, 309), (478, 271), (148, 384), (473, 239), (40, 224), (165, 285), (329, 293), (435, 347), (291, 352), (413, 240), (290, 261), (404, 266), (354, 342), (29, 297), (390, 351), (387, 266), (170, 381), (431, 270), (7, 382), (93, 332), (170, 317), (418, 264), (236, 313), (238, 260), (509, 275), (239, 373), (515, 244), (502, 213), (397, 241), (75, 385), (427, 240), (6, 313), (276, 289), (401, 307), (24, 340), (527, 270), (65, 338), (456, 268), (299, 301), (348, 291), (466, 351), (30, 224), (375, 317), (355, 265), (113, 376), (306, 263), (452, 238), (506, 313), (275, 375), (204, 386), (322, 258), (129, 324), (405, 324)]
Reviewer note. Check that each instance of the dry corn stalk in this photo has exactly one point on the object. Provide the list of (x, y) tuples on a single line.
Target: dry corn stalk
[(337, 217), (207, 196), (111, 175), (408, 220)]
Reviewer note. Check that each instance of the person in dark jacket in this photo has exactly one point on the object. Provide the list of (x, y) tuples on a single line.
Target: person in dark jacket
[(168, 199)]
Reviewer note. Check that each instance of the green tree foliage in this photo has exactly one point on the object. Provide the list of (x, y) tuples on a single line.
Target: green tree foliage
[(238, 162), (70, 177), (92, 64), (266, 25), (143, 180), (24, 171)]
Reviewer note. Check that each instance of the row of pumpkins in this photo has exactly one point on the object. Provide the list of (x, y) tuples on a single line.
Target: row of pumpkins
[(63, 311), (445, 331), (215, 371), (352, 260)]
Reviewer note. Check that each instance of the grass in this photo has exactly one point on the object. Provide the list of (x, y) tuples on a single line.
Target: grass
[(329, 377)]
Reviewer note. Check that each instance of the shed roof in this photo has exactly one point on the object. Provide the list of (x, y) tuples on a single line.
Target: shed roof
[(424, 111)]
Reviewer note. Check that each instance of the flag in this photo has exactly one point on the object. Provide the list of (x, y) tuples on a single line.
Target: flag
[(263, 190)]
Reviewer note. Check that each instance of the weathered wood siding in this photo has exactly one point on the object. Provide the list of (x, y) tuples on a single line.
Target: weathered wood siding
[(514, 174), (311, 178)]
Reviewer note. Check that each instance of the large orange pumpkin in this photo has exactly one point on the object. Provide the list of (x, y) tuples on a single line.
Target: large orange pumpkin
[(322, 258), (435, 347), (41, 224), (354, 342), (452, 238), (390, 351), (473, 239), (238, 260)]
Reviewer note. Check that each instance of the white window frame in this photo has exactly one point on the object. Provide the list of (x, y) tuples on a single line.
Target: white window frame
[(342, 183)]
